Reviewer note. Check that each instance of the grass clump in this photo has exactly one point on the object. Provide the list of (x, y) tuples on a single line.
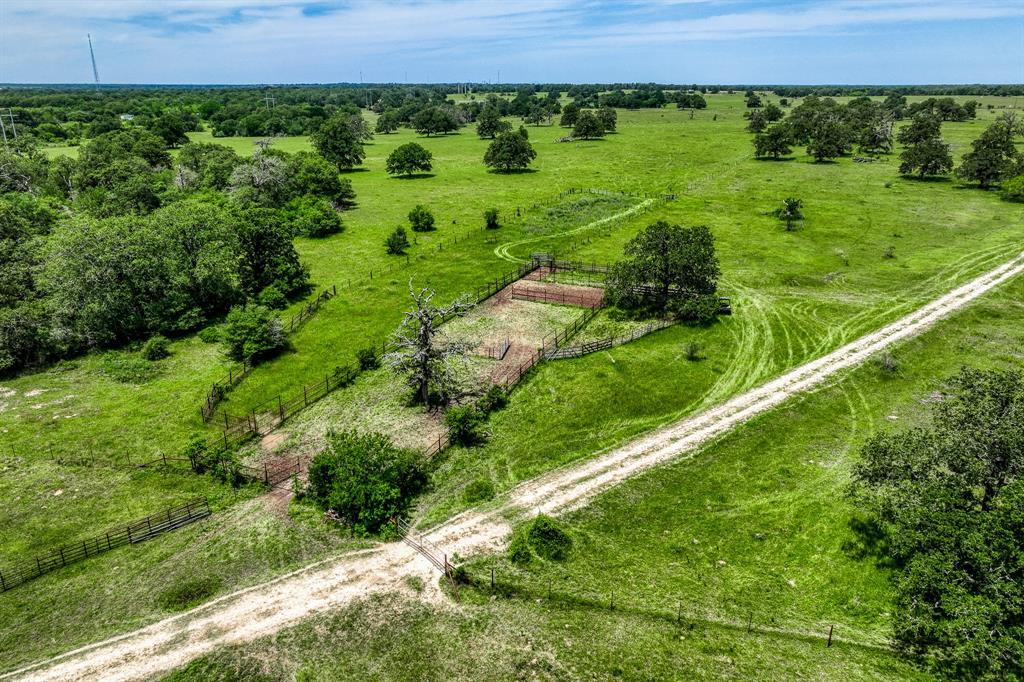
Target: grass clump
[(479, 490), (188, 592), (127, 368)]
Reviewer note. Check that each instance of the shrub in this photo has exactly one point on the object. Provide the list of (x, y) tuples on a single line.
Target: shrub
[(548, 539), (188, 592), (253, 332), (890, 252), (693, 351), (365, 479), (491, 219), (367, 358), (519, 550), (421, 219), (397, 242), (465, 425), (272, 298), (209, 334), (695, 308), (313, 217), (479, 490), (156, 348), (494, 399), (887, 363), (1013, 189)]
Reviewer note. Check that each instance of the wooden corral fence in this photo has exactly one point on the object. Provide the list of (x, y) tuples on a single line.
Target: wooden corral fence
[(432, 552), (242, 370), (550, 344), (547, 295), (272, 475), (138, 531), (607, 342), (267, 415)]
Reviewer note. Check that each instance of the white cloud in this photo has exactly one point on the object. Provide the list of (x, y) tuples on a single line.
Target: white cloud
[(263, 40)]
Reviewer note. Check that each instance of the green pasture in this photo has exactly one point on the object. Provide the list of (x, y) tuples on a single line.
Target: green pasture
[(796, 295)]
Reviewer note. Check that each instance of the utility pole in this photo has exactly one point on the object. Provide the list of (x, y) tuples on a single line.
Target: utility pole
[(270, 101)]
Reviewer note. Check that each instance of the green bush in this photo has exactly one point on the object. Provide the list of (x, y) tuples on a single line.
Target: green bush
[(397, 242), (253, 332), (367, 358), (693, 351), (365, 479), (493, 400), (156, 348), (519, 550), (701, 309), (272, 298), (1013, 189), (465, 425), (188, 592), (210, 334), (421, 219), (548, 539), (313, 217), (491, 219), (479, 490)]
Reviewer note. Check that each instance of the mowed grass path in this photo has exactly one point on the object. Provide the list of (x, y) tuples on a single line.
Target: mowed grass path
[(751, 531)]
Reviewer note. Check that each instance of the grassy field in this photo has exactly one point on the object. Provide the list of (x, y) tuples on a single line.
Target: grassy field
[(71, 428), (751, 532)]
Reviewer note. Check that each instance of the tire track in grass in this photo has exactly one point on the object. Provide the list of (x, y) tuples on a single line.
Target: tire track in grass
[(266, 609), (503, 251)]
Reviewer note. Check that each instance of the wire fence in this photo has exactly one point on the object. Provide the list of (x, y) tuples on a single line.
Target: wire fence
[(132, 533), (680, 612)]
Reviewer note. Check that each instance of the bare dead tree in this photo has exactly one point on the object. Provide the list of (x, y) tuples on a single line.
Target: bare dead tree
[(429, 362)]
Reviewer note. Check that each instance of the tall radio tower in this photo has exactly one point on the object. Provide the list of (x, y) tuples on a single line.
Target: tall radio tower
[(92, 56)]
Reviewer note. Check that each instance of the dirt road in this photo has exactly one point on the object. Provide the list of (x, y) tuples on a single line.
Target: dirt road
[(265, 609)]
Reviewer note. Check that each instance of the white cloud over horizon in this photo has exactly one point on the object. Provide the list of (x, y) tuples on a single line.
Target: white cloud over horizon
[(254, 41)]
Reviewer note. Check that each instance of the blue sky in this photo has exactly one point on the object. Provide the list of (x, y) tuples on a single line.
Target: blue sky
[(680, 41)]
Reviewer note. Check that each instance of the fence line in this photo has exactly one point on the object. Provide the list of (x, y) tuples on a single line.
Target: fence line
[(497, 351), (269, 414), (608, 342), (132, 533), (238, 373), (558, 296), (675, 611)]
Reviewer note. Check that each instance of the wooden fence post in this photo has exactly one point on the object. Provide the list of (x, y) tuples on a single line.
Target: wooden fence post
[(830, 628)]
